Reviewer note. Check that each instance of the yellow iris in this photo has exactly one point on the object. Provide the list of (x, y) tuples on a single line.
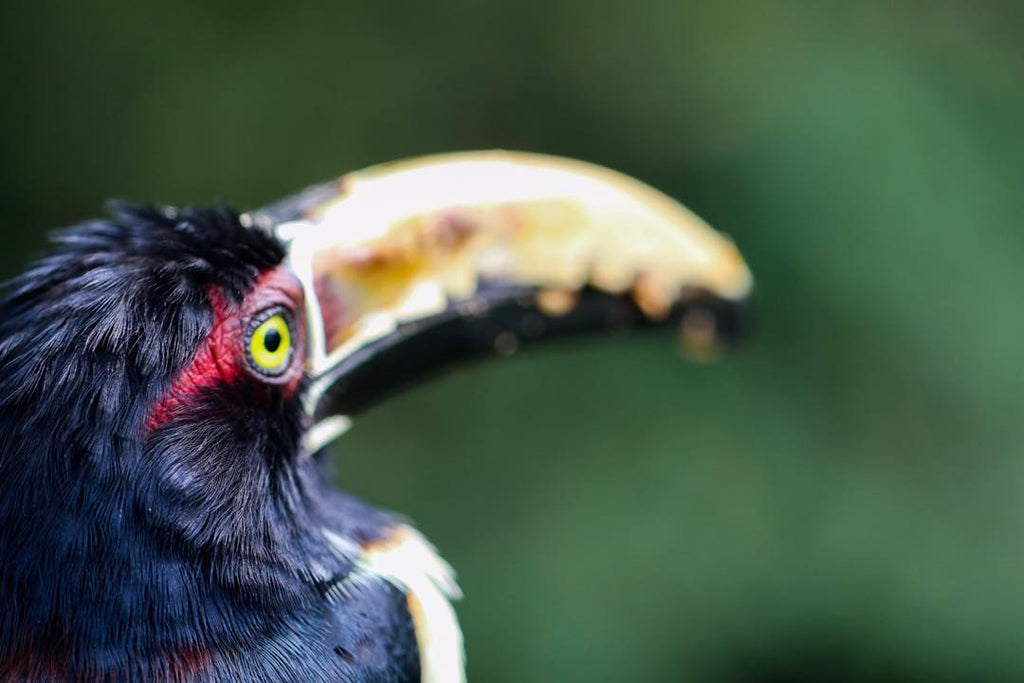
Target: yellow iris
[(271, 345)]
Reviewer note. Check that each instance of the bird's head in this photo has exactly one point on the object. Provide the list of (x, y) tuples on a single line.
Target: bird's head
[(167, 377), (152, 372)]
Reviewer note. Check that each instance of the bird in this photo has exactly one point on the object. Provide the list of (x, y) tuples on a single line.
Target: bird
[(172, 378)]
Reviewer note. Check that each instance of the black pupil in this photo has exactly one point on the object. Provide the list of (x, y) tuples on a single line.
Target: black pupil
[(272, 340)]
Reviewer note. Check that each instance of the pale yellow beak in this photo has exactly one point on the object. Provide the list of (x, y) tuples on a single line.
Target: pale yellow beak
[(483, 249)]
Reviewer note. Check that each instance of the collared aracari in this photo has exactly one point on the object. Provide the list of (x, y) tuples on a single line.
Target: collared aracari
[(169, 378)]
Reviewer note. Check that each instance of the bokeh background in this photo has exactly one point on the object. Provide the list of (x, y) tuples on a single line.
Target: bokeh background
[(841, 499)]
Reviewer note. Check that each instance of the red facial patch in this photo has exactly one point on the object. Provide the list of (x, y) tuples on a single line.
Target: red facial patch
[(223, 360), (54, 664)]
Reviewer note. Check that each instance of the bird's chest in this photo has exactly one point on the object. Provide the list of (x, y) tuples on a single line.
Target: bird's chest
[(367, 635), (361, 632)]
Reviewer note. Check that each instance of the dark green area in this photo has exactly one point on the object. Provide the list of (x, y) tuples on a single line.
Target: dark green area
[(843, 497)]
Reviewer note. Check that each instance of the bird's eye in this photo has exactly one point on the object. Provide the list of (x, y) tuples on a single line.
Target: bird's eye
[(270, 342)]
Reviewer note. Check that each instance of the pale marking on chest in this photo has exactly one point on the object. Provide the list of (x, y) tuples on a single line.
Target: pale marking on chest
[(409, 562)]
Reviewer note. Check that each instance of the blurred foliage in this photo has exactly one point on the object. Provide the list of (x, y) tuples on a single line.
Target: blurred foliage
[(841, 499)]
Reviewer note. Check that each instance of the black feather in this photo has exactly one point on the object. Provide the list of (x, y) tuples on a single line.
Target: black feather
[(194, 552)]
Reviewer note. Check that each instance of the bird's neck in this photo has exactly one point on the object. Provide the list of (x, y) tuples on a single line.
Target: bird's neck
[(92, 575)]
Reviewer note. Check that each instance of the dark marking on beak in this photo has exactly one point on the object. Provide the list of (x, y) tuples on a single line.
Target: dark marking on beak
[(500, 316)]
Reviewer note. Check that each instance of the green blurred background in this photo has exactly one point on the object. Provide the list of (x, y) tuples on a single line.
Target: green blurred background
[(839, 500)]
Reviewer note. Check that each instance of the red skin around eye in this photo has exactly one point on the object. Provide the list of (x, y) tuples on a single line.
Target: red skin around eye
[(222, 359)]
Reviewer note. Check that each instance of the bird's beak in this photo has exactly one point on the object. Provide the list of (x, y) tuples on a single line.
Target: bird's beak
[(411, 265)]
